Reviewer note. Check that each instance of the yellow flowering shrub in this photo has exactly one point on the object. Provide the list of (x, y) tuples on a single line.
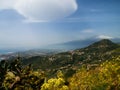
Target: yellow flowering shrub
[(55, 83), (104, 77)]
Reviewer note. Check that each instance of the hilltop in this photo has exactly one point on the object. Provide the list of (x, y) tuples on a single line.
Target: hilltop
[(70, 61), (93, 67)]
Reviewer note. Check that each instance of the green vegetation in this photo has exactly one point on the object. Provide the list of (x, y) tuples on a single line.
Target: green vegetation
[(104, 77), (96, 67), (70, 61), (15, 76)]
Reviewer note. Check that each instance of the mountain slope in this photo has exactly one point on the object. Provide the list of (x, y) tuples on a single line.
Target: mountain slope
[(76, 44), (72, 60)]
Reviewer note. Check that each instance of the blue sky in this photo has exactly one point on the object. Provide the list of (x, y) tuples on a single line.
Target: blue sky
[(36, 23)]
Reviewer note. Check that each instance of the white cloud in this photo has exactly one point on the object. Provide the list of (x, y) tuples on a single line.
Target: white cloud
[(41, 10), (7, 4), (104, 37)]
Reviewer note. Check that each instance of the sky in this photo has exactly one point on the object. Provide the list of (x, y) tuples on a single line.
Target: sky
[(37, 23)]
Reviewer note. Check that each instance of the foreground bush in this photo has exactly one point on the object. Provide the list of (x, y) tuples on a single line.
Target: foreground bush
[(57, 83), (14, 76), (104, 77)]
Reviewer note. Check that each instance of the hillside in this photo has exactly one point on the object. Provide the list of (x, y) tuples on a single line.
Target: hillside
[(70, 61), (95, 67), (16, 76), (29, 53), (76, 44)]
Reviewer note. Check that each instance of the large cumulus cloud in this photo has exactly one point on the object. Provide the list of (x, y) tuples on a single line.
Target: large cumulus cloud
[(7, 4), (41, 10)]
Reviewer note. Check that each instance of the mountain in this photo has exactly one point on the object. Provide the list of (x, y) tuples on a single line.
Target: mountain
[(70, 61), (69, 45), (76, 44), (102, 46), (51, 49)]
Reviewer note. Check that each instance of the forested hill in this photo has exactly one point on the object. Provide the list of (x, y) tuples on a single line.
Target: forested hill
[(70, 61), (95, 67)]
